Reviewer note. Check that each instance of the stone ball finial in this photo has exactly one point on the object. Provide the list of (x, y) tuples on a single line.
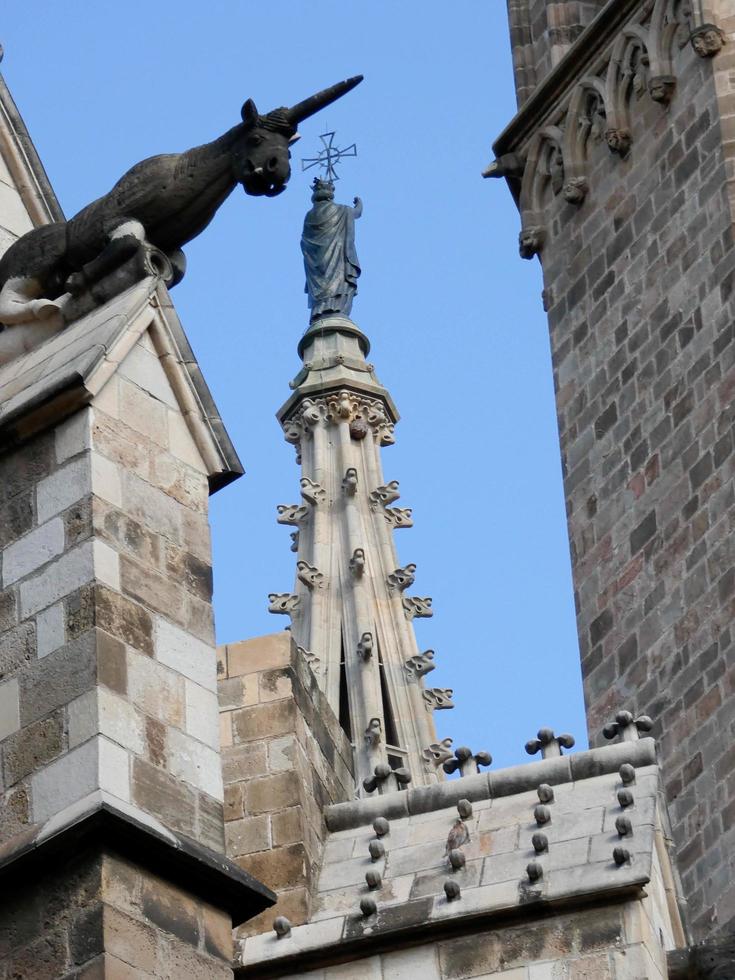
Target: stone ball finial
[(373, 879), (456, 859), (549, 744), (540, 842), (376, 849), (368, 906), (464, 809), (625, 798), (467, 761), (281, 926), (452, 890), (542, 814), (623, 826), (627, 726), (534, 870), (621, 855), (627, 773), (381, 826), (545, 793)]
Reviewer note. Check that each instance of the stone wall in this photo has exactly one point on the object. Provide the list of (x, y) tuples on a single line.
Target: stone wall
[(603, 943), (639, 289), (96, 916), (108, 669), (284, 759)]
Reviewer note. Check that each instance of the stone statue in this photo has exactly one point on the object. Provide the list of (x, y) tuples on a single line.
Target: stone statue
[(328, 246), (165, 201)]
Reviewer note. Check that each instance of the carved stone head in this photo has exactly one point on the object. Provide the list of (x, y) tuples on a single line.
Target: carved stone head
[(707, 40), (575, 190), (530, 241), (661, 88)]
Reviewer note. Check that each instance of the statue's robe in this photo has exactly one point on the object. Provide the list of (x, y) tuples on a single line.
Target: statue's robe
[(330, 259)]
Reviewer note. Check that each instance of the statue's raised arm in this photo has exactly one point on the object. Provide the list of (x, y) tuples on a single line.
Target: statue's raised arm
[(164, 201)]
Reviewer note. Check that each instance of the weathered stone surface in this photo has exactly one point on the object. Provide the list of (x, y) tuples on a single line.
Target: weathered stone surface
[(282, 867), (33, 747)]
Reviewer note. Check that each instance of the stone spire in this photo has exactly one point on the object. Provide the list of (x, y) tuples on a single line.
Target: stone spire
[(352, 607)]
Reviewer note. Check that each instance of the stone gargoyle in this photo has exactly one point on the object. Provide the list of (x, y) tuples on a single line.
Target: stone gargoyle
[(158, 206)]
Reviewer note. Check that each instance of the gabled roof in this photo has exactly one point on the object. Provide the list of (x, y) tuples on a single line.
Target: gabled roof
[(40, 388)]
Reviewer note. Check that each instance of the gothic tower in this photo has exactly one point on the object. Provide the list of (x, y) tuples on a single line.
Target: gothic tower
[(620, 159)]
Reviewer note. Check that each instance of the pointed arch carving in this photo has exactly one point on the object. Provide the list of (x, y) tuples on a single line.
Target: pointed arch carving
[(640, 63)]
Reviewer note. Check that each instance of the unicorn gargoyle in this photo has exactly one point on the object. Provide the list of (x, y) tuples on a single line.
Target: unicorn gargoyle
[(158, 206)]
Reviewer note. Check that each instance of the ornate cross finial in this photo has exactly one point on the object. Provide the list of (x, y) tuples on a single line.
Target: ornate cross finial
[(329, 156)]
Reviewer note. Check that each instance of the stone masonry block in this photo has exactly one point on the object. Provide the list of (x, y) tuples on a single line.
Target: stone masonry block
[(195, 763), (159, 793), (260, 653), (9, 708), (69, 572), (64, 487), (262, 720), (59, 678), (73, 436), (270, 793), (186, 654), (279, 868), (50, 629), (152, 589), (247, 835), (156, 690), (202, 714), (106, 482), (32, 551), (33, 747), (65, 781)]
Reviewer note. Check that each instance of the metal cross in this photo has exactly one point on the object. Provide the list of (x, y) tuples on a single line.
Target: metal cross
[(329, 156)]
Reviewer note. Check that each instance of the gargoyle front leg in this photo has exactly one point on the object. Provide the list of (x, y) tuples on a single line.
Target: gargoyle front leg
[(21, 302)]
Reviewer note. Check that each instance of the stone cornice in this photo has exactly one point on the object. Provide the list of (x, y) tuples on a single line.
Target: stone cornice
[(581, 56), (102, 822)]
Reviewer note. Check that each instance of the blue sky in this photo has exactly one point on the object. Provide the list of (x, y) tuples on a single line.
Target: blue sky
[(454, 315)]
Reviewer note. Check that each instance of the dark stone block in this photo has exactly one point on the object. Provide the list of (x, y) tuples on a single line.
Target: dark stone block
[(601, 626), (605, 421), (643, 533), (86, 936)]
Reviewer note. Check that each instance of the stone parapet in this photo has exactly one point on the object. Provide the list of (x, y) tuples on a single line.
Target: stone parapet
[(470, 864)]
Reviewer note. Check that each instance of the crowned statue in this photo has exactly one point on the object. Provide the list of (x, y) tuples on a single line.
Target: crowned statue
[(328, 246)]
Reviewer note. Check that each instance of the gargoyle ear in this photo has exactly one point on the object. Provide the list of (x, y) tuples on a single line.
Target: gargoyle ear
[(249, 113)]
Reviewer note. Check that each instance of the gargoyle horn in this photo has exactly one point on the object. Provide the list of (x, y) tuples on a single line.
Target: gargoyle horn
[(314, 103)]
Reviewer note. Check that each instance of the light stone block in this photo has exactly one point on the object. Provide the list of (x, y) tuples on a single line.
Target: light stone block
[(107, 398), (50, 634), (120, 722), (114, 769), (202, 714), (15, 216), (419, 858), (315, 935), (420, 963), (186, 654), (195, 763), (281, 753), (106, 565), (347, 873), (73, 436), (63, 488), (156, 690), (143, 413), (145, 370), (33, 551), (547, 971), (9, 707), (365, 969), (489, 898), (69, 572), (181, 443), (106, 480), (65, 781), (82, 716)]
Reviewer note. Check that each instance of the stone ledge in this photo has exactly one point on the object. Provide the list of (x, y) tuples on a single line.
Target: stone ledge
[(102, 821), (503, 782), (575, 63), (324, 948)]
